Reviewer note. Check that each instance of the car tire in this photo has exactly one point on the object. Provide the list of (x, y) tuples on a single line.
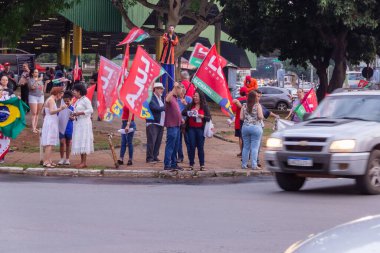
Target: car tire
[(282, 106), (289, 182), (369, 183)]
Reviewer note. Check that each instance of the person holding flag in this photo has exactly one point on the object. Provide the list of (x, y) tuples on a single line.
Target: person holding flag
[(173, 122), (170, 41), (292, 114)]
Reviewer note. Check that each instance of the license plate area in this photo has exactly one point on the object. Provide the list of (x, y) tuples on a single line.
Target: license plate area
[(300, 161)]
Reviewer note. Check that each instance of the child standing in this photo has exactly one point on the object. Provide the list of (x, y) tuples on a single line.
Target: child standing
[(128, 122), (65, 128)]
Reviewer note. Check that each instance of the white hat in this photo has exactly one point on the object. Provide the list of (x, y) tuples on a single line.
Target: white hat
[(158, 85)]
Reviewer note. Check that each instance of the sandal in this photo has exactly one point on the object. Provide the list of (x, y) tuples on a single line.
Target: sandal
[(48, 165), (191, 167), (202, 168)]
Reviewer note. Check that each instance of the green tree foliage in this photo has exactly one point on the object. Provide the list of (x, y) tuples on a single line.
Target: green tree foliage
[(314, 31), (201, 13), (16, 16)]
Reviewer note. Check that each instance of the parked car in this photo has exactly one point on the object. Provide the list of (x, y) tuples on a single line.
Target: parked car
[(276, 98), (341, 139), (358, 236)]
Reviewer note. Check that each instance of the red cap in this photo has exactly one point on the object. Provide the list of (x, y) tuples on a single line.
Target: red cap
[(7, 64), (243, 90), (247, 78)]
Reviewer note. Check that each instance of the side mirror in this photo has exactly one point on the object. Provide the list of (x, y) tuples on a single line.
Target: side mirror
[(306, 116)]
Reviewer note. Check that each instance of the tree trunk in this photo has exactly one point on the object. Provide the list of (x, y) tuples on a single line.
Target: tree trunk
[(340, 59), (338, 76), (191, 36), (323, 82), (321, 64)]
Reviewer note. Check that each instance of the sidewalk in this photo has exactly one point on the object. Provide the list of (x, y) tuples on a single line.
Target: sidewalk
[(220, 156)]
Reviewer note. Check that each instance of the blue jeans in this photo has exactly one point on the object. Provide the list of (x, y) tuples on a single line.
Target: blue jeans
[(127, 139), (196, 140), (170, 69), (171, 149), (251, 137), (180, 149)]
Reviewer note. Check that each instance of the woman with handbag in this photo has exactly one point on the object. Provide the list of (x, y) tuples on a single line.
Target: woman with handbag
[(198, 114)]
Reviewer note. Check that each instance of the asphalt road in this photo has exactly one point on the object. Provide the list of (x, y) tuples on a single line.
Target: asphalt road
[(92, 215)]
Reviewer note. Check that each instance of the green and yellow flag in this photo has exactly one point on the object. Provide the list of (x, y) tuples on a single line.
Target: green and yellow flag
[(12, 117)]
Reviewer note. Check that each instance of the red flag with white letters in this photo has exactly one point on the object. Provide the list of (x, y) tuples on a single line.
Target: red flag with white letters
[(136, 90), (210, 79), (107, 79)]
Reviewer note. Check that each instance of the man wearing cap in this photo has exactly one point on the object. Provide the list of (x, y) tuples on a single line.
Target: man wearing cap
[(173, 121), (155, 126), (11, 76)]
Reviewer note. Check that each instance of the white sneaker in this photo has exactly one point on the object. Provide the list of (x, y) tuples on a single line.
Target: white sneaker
[(67, 162), (61, 162)]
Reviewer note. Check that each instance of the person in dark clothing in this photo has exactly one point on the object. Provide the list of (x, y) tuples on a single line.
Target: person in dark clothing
[(155, 126)]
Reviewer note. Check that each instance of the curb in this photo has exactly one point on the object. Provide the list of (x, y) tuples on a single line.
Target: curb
[(113, 173)]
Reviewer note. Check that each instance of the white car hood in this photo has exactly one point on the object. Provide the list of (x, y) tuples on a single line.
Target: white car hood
[(330, 128)]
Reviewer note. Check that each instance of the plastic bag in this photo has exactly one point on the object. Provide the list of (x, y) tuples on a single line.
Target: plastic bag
[(209, 130)]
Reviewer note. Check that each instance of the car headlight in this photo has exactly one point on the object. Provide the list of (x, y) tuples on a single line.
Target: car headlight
[(274, 143), (342, 146)]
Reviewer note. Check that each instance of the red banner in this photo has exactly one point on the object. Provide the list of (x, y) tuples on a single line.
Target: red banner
[(362, 83), (134, 35), (141, 77), (310, 101), (76, 70), (107, 79), (210, 79), (199, 53)]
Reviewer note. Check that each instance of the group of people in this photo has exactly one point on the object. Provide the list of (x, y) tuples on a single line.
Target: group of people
[(249, 122), (70, 125), (184, 112)]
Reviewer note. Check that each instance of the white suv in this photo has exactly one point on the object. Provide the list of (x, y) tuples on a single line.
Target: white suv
[(340, 139)]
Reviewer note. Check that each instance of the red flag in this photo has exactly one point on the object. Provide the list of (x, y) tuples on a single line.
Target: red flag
[(142, 75), (90, 91), (107, 79), (311, 101), (363, 84), (89, 95), (124, 69), (134, 35), (199, 53), (76, 70), (210, 79)]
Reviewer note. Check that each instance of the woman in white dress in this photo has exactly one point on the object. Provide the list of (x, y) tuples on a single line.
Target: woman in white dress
[(83, 138), (50, 131)]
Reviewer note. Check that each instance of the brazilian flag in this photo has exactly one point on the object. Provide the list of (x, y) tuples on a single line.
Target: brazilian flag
[(12, 117)]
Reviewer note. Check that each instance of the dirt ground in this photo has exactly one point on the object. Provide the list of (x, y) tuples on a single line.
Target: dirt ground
[(220, 152)]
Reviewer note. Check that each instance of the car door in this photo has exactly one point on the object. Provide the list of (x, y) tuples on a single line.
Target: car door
[(272, 97), (264, 100)]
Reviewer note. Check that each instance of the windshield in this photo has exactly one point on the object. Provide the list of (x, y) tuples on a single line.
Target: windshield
[(356, 107)]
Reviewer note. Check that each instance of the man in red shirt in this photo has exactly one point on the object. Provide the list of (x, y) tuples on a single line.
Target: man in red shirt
[(236, 107), (170, 41), (189, 87)]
